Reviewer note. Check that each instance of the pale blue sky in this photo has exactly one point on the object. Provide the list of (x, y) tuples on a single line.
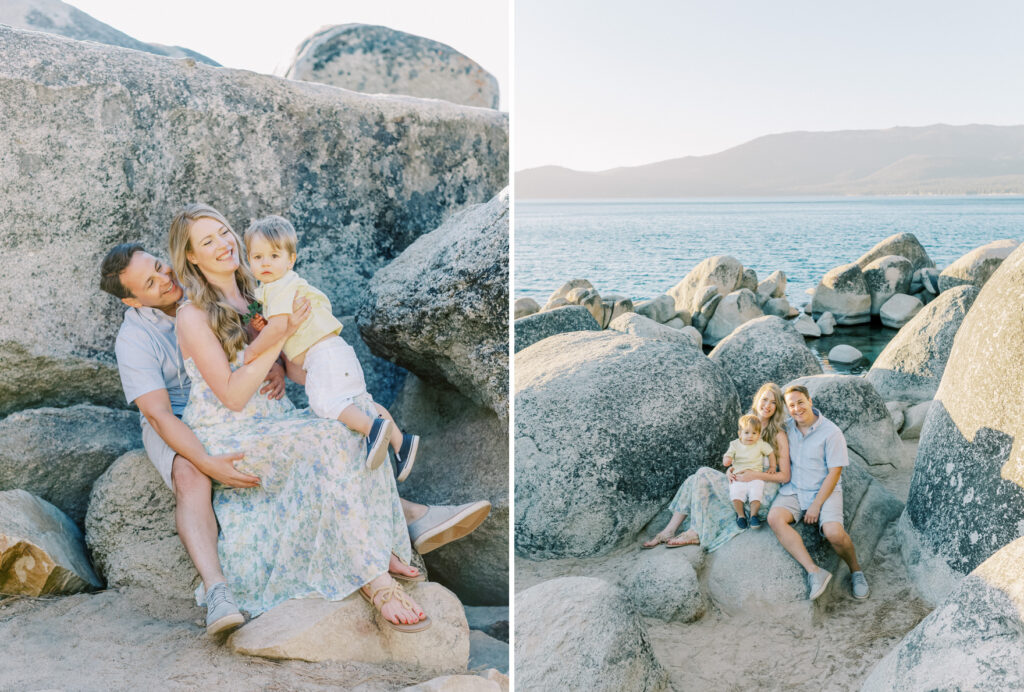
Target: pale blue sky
[(605, 83), (262, 37)]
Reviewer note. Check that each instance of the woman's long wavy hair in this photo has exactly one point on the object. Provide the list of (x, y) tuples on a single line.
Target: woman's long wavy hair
[(225, 321), (777, 422)]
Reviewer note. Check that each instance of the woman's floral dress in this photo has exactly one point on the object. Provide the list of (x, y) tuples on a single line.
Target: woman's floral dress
[(704, 499), (320, 523)]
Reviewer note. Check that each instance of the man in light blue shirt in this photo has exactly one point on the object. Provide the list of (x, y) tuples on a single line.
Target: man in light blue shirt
[(817, 455)]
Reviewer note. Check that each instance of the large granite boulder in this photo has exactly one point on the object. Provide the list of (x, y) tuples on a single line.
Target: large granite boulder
[(977, 266), (767, 349), (121, 139), (899, 310), (972, 641), (844, 293), (664, 585), (56, 17), (853, 404), (607, 426), (910, 366), (778, 583), (734, 309), (570, 318), (131, 534), (660, 309), (379, 60), (312, 629), (967, 491), (638, 325), (902, 244), (42, 552), (524, 307), (463, 457), (885, 277), (721, 272), (581, 633), (58, 453), (773, 287), (440, 309)]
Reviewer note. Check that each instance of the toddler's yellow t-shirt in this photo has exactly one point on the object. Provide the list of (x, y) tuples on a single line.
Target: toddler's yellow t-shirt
[(748, 457), (277, 298)]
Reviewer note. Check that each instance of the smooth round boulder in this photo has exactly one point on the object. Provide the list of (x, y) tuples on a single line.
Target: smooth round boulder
[(806, 326), (614, 308), (378, 60), (721, 272), (899, 310), (525, 307), (767, 349), (885, 277), (844, 293), (570, 318), (977, 266), (774, 286), (902, 244), (608, 425), (562, 291), (853, 404), (779, 307), (749, 280), (638, 325), (581, 633), (663, 584), (826, 323), (910, 366), (734, 309), (660, 309), (968, 484), (845, 354)]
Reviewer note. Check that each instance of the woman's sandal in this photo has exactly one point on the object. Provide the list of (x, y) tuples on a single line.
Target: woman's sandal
[(421, 577), (690, 541), (660, 537), (386, 593)]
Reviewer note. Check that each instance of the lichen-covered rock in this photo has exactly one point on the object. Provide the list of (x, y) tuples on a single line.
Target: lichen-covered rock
[(638, 325), (601, 438), (42, 552), (525, 307), (767, 349), (120, 139), (312, 629), (463, 457), (971, 641), (569, 318), (899, 310), (440, 309), (885, 277), (581, 633), (844, 293), (58, 453), (734, 309), (130, 530), (721, 273), (910, 366), (968, 483), (56, 17), (662, 584), (977, 266), (378, 60), (902, 244), (853, 404)]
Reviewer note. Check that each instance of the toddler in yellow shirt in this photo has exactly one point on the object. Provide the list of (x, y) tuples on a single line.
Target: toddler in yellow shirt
[(334, 379), (747, 454)]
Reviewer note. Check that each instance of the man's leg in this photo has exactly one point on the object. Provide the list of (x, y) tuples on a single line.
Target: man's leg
[(412, 510), (781, 521), (841, 543), (197, 525)]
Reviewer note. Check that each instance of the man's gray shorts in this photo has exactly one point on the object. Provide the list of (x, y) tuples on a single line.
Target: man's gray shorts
[(159, 452), (832, 510)]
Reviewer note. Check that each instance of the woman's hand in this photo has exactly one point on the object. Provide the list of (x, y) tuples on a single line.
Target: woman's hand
[(731, 475), (300, 312), (274, 384)]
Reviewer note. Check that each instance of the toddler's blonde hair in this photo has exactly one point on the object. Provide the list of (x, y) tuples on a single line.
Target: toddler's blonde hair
[(750, 421), (276, 230)]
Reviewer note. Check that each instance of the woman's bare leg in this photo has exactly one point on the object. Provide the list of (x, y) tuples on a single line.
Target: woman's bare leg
[(396, 566)]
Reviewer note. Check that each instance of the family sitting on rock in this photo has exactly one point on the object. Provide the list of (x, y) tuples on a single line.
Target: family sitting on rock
[(305, 506), (810, 452)]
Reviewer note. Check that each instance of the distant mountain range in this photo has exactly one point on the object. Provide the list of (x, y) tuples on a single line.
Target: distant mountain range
[(932, 160)]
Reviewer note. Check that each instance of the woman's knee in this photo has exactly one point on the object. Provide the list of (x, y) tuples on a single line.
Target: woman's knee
[(187, 479)]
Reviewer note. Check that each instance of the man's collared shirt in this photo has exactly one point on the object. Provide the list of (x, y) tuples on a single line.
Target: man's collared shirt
[(148, 357), (811, 456)]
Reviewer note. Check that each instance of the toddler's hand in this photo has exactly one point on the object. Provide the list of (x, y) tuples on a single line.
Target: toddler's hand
[(726, 461)]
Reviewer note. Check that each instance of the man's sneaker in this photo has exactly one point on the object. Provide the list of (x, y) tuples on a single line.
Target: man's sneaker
[(816, 583), (377, 442), (741, 522), (221, 612), (755, 523), (860, 586), (442, 524), (405, 457)]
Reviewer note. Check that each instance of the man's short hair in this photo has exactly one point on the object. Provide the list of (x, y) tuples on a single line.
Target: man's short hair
[(277, 231), (114, 263), (797, 388)]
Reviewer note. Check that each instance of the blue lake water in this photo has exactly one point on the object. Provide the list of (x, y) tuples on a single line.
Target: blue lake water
[(641, 248)]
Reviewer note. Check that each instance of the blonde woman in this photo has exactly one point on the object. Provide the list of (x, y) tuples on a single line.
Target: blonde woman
[(321, 523), (703, 499)]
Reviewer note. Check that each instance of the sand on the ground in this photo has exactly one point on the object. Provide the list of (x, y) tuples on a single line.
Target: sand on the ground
[(129, 639)]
